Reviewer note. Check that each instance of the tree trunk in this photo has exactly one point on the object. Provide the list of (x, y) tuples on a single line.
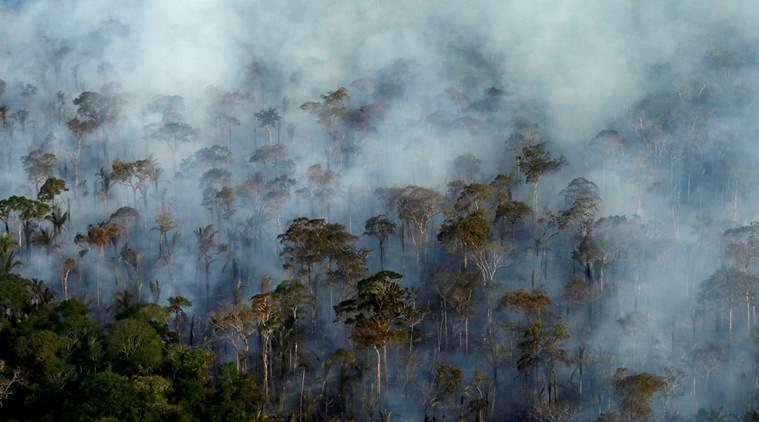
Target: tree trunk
[(379, 372), (466, 335), (382, 254), (66, 285), (265, 355)]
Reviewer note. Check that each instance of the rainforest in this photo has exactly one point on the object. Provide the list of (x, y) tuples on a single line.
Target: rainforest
[(379, 210)]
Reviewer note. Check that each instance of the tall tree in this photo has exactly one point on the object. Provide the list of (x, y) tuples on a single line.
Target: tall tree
[(329, 113), (415, 207), (173, 135), (100, 236), (209, 252), (177, 305), (269, 120), (38, 165), (635, 391), (380, 227), (26, 211), (535, 162), (80, 129), (375, 314), (236, 324)]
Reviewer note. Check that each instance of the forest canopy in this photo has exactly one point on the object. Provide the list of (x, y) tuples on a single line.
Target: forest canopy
[(376, 211)]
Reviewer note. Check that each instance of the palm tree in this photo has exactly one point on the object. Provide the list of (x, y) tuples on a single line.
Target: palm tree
[(208, 253), (101, 235)]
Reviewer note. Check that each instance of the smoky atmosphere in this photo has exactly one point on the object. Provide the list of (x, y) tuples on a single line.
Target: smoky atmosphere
[(379, 210)]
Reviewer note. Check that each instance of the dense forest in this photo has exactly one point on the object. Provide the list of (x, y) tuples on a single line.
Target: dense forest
[(378, 211)]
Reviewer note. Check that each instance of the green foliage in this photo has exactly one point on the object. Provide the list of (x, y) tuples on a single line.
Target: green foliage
[(309, 242), (50, 189), (467, 233), (376, 310), (536, 161), (8, 247), (512, 212), (542, 344), (239, 398), (135, 344), (448, 379)]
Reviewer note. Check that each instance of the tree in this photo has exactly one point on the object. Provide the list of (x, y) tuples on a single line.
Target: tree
[(136, 175), (80, 129), (269, 120), (236, 324), (208, 252), (635, 391), (375, 313), (38, 165), (532, 304), (535, 162), (173, 134), (155, 291), (223, 110), (101, 235), (576, 292), (9, 377), (215, 179), (581, 197), (126, 218), (215, 156), (448, 381), (220, 203), (541, 347), (293, 296), (415, 207), (511, 213), (307, 243), (380, 227), (69, 265), (4, 122), (58, 219), (707, 359), (8, 261), (489, 257), (274, 155), (50, 189), (329, 113), (466, 234), (176, 306), (741, 245), (98, 108), (107, 394), (276, 194), (323, 184), (458, 289), (135, 343), (730, 286), (266, 309), (166, 222), (26, 212)]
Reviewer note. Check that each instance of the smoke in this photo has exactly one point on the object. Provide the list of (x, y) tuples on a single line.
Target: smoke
[(574, 68)]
